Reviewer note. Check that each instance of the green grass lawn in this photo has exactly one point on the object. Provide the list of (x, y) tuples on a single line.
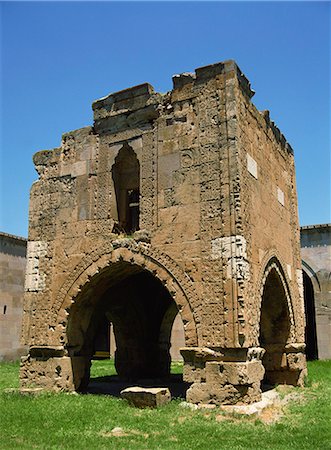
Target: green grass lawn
[(67, 421)]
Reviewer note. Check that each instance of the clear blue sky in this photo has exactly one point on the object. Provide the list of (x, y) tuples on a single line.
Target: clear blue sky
[(56, 58)]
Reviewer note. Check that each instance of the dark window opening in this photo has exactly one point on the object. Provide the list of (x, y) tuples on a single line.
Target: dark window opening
[(5, 309), (126, 177), (133, 209)]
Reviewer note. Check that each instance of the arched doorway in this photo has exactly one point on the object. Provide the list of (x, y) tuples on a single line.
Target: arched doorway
[(138, 288), (310, 332), (141, 311), (105, 341), (275, 324)]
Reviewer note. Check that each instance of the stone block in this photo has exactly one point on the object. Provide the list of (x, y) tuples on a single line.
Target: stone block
[(53, 373), (227, 394), (142, 397), (296, 361), (193, 374), (79, 168), (237, 373)]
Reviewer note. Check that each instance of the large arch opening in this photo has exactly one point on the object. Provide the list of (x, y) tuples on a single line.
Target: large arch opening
[(141, 312), (310, 331), (274, 326)]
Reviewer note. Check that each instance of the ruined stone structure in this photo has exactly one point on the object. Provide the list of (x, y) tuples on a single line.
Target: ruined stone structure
[(12, 272), (183, 201), (316, 266), (315, 247)]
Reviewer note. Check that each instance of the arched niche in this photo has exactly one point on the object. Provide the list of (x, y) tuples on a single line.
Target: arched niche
[(126, 179), (275, 323)]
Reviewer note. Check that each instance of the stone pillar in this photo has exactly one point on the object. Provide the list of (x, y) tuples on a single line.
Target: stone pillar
[(219, 378), (52, 369), (285, 365)]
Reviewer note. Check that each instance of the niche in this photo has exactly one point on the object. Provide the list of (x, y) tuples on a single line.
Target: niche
[(126, 178)]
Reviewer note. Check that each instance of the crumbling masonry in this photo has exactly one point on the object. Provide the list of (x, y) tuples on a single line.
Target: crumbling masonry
[(184, 201)]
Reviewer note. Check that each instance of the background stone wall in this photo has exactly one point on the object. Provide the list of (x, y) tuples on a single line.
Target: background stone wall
[(316, 256), (12, 273)]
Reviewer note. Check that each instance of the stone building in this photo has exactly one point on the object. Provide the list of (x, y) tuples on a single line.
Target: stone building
[(315, 248), (12, 272), (178, 202), (316, 266), (315, 282)]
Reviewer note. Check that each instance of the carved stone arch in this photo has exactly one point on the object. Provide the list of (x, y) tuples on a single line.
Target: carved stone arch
[(140, 255), (276, 322), (311, 273), (311, 289), (272, 261)]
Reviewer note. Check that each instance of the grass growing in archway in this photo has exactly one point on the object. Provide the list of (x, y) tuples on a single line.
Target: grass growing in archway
[(106, 367), (67, 421)]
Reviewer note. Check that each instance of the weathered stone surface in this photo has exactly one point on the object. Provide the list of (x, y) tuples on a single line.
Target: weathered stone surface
[(171, 203), (53, 373), (146, 397), (268, 399), (12, 273), (226, 394), (316, 284)]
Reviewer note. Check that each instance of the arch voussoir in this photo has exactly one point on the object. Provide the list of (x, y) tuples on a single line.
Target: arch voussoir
[(158, 264)]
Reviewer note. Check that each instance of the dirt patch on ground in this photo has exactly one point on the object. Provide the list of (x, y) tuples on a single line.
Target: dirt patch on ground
[(269, 410)]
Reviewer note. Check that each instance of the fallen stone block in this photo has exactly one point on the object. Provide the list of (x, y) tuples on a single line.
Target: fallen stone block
[(146, 397), (269, 399)]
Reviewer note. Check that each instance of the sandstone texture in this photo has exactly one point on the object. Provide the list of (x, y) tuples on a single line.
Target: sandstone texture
[(143, 397), (178, 202)]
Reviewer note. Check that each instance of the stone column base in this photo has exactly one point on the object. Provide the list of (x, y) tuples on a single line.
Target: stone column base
[(285, 365), (220, 381), (48, 368)]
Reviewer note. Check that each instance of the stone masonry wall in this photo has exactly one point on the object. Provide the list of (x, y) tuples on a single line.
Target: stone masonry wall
[(268, 209), (316, 256), (12, 272)]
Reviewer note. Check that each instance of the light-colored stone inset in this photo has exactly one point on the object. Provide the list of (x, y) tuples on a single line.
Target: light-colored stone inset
[(280, 196), (35, 279), (232, 249), (300, 287), (252, 166), (289, 271)]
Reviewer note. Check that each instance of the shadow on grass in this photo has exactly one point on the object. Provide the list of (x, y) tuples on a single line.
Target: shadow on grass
[(113, 385)]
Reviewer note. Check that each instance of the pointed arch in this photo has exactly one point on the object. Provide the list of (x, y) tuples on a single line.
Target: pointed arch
[(272, 262), (124, 264), (141, 256), (276, 328), (126, 179)]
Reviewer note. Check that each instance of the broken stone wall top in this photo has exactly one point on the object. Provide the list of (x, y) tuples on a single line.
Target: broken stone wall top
[(143, 97)]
